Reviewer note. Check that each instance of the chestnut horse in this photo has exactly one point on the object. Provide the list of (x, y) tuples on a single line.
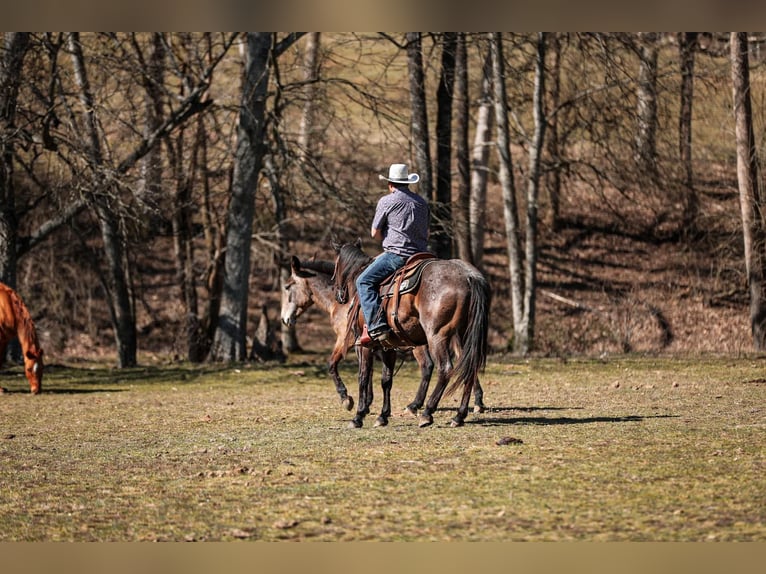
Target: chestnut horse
[(449, 312), (311, 283), (15, 321)]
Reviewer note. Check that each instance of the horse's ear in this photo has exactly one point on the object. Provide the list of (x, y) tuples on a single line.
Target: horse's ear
[(295, 264), (358, 242), (335, 244)]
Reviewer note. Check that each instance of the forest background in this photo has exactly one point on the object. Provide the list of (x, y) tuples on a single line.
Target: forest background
[(153, 185)]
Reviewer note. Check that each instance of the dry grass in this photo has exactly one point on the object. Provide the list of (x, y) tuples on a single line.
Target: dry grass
[(625, 449)]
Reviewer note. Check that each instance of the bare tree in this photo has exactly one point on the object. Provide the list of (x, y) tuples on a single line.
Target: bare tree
[(441, 210), (306, 150), (116, 279), (104, 172), (154, 85), (462, 214), (552, 143), (11, 62), (687, 46), (419, 114), (229, 341), (310, 77), (533, 193), (646, 97), (507, 181), (522, 263), (480, 164), (751, 198)]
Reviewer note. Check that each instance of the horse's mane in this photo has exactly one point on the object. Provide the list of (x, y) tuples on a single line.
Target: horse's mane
[(350, 263), (320, 266)]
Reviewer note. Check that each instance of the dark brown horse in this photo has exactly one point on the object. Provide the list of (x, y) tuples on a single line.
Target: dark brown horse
[(310, 284), (449, 312), (15, 321)]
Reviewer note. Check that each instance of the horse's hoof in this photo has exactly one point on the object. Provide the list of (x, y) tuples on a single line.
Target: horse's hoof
[(411, 410), (425, 420), (479, 408), (381, 422), (348, 403), (355, 424), (454, 423)]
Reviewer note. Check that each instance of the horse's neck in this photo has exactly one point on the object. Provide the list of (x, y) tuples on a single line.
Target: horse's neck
[(324, 295)]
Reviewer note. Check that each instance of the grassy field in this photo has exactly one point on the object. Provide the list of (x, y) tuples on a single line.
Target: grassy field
[(625, 449)]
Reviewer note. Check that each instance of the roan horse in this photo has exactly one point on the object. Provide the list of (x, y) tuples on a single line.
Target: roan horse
[(15, 321), (311, 283), (449, 312)]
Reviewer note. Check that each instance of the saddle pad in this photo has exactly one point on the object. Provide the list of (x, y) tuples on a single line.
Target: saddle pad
[(410, 281)]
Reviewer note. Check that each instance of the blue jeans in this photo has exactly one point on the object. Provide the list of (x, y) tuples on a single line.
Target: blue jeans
[(369, 281)]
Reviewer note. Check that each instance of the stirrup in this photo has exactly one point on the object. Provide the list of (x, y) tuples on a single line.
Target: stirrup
[(381, 334)]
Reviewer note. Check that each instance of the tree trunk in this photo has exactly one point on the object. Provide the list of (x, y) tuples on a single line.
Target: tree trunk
[(533, 191), (116, 277), (480, 165), (310, 76), (229, 342), (183, 240), (214, 248), (510, 210), (11, 62), (750, 195), (419, 115), (687, 43), (441, 213), (289, 337), (154, 81), (462, 216), (646, 134), (553, 153)]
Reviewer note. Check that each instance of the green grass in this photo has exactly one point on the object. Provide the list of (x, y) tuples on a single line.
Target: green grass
[(624, 449)]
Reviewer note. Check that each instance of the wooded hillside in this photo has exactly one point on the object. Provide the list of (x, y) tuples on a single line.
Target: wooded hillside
[(137, 169)]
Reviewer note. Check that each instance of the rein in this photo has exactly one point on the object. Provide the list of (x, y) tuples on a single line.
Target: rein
[(396, 371)]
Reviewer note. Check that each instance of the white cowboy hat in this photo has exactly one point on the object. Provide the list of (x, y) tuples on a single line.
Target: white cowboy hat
[(397, 173)]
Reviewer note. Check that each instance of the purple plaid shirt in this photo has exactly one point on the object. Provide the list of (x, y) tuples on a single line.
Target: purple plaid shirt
[(402, 216)]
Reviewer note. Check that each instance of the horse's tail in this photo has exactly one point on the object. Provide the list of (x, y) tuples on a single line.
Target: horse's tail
[(473, 356)]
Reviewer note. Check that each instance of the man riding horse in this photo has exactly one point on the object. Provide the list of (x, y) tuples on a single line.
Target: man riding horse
[(401, 224)]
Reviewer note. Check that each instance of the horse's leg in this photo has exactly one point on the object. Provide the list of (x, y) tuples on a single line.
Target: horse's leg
[(335, 358), (440, 353), (365, 358), (386, 382), (423, 357), (459, 419), (478, 398)]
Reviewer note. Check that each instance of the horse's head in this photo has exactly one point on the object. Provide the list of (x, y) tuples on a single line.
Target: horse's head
[(33, 367), (296, 296), (339, 286)]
